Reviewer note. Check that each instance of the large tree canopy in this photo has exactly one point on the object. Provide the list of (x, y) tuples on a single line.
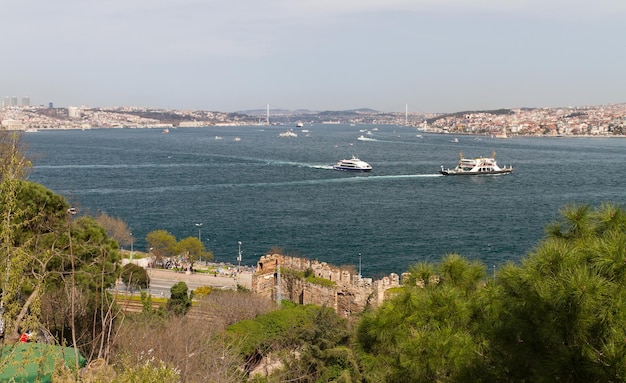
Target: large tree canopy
[(46, 250), (559, 316)]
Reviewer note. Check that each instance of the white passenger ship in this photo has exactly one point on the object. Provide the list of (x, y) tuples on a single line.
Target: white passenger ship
[(353, 165)]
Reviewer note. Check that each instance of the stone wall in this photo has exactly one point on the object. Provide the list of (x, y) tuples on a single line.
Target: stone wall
[(349, 293)]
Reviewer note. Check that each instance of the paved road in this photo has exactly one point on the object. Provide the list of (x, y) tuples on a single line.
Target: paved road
[(162, 280)]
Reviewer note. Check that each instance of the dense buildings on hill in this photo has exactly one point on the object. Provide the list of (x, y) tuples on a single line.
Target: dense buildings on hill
[(605, 120)]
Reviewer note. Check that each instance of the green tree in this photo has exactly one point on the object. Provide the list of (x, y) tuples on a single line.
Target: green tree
[(193, 250), (561, 314), (426, 332), (134, 276), (56, 268), (162, 244), (180, 299), (15, 309), (320, 337)]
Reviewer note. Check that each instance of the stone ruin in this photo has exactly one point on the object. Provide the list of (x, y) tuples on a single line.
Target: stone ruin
[(349, 293)]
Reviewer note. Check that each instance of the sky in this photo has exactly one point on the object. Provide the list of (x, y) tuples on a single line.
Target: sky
[(424, 56)]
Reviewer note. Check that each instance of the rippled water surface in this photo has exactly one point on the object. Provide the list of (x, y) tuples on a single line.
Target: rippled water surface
[(269, 191)]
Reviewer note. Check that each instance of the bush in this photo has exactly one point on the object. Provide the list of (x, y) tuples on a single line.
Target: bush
[(180, 301), (134, 277)]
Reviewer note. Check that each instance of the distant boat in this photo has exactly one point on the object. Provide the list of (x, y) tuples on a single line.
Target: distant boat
[(363, 138), (288, 133), (237, 139), (166, 130), (299, 124), (218, 137), (454, 140), (476, 166), (353, 165), (31, 130)]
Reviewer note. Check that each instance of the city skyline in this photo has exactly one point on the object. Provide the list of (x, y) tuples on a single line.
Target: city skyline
[(429, 56)]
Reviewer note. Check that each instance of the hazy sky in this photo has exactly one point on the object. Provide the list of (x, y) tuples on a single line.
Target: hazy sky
[(230, 55)]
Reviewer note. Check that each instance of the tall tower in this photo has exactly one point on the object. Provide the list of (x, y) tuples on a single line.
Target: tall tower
[(25, 101)]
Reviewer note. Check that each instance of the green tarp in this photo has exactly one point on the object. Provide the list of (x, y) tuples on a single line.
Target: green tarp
[(34, 362)]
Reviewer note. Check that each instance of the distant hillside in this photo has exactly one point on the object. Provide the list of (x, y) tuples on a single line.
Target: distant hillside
[(495, 112), (306, 112)]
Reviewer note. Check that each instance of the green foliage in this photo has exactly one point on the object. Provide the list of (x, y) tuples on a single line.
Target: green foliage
[(163, 243), (425, 333), (193, 249), (320, 281), (39, 260), (319, 335), (559, 316), (308, 276), (180, 300), (134, 276), (50, 259), (564, 308)]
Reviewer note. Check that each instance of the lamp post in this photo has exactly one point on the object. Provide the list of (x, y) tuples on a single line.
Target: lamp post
[(239, 254), (199, 226), (131, 247)]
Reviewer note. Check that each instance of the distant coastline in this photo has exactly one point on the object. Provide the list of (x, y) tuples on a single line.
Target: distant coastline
[(592, 121)]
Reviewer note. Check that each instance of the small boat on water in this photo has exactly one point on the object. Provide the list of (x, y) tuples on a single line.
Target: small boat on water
[(166, 130), (363, 138), (288, 133), (476, 166), (353, 165)]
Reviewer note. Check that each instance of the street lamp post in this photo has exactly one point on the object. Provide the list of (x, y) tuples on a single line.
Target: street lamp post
[(239, 254), (199, 226)]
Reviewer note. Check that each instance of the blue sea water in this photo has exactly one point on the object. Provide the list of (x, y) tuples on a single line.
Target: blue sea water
[(277, 192)]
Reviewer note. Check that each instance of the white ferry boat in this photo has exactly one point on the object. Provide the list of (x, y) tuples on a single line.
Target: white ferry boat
[(476, 166), (353, 165)]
